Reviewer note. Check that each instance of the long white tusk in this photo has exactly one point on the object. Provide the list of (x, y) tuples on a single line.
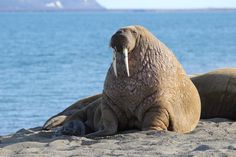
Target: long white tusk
[(114, 62), (125, 52)]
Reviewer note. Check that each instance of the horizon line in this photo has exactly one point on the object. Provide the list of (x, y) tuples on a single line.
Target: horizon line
[(204, 8), (124, 9)]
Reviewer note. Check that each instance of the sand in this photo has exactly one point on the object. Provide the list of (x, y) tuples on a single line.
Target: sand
[(213, 137)]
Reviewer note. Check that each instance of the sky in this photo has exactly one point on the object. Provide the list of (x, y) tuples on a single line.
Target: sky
[(167, 4)]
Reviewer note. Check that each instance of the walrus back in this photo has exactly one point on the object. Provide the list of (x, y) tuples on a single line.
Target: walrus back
[(217, 90)]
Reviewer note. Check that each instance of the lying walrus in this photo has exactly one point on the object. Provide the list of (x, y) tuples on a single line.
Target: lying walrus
[(72, 111), (146, 87), (217, 90)]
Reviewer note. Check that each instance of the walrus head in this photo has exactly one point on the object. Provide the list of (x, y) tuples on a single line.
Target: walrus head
[(123, 42)]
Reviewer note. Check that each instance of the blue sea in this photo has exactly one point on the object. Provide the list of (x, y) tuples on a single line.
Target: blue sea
[(48, 60)]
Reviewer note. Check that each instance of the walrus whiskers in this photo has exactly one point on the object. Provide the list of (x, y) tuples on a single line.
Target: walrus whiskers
[(114, 63)]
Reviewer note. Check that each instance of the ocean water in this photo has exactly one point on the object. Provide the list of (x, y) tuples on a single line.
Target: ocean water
[(48, 60)]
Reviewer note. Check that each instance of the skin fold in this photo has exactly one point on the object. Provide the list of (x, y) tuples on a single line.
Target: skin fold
[(147, 89)]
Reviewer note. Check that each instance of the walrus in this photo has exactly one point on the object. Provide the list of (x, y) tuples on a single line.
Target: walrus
[(84, 121), (81, 118), (217, 91), (146, 87)]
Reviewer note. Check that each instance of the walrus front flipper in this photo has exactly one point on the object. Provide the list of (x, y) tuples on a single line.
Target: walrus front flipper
[(156, 119), (54, 122), (60, 118)]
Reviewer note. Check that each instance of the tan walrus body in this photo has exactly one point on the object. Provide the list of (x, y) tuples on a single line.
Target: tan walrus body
[(146, 88), (217, 90)]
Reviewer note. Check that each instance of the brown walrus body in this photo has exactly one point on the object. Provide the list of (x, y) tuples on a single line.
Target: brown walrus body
[(217, 90), (146, 87)]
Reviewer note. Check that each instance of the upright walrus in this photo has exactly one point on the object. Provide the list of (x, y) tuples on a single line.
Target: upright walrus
[(146, 88)]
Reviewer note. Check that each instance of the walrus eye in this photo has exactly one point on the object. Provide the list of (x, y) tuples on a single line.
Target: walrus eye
[(126, 60), (134, 32), (114, 62)]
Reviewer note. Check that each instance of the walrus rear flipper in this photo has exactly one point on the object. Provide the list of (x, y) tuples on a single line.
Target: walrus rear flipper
[(60, 118)]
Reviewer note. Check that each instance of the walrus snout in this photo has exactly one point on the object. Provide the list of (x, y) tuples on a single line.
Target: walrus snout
[(123, 41), (119, 42)]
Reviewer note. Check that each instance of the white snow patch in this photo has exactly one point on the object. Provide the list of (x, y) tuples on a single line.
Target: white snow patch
[(56, 4)]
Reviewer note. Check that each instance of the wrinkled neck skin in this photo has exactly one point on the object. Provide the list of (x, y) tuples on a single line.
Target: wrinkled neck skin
[(149, 58)]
